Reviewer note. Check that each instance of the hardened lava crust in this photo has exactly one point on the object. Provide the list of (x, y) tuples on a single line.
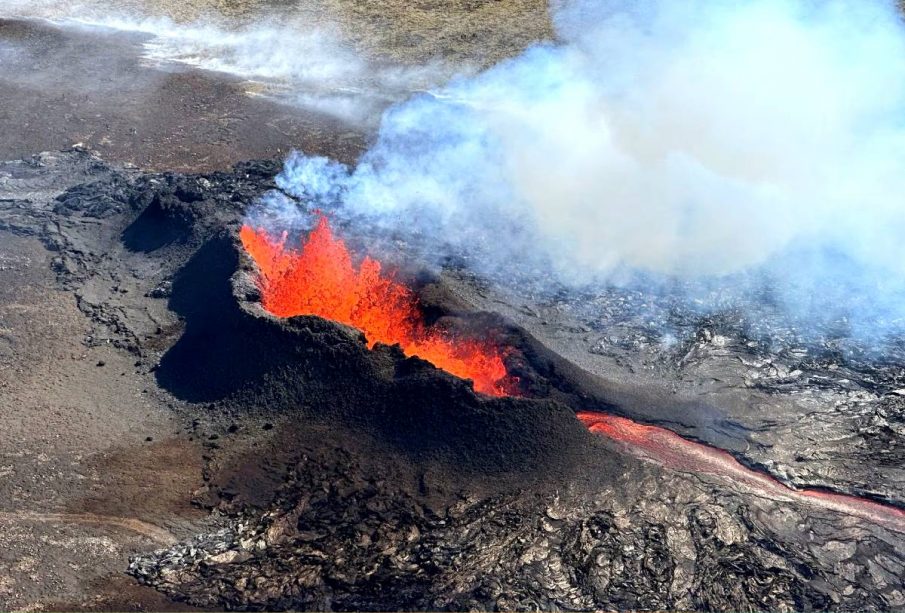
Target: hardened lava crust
[(330, 476)]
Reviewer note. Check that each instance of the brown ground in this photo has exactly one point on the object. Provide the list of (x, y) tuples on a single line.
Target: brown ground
[(95, 462), (411, 31), (82, 488), (64, 88), (93, 467)]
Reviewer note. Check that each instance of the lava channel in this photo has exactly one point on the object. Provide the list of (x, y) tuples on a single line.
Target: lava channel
[(321, 279), (671, 450)]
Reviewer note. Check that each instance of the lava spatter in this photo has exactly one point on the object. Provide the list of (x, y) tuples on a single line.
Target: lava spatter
[(321, 279)]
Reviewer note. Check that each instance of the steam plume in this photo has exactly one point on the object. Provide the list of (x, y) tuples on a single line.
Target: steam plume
[(732, 142), (289, 57)]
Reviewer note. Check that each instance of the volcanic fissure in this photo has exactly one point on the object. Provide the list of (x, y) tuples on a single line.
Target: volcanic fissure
[(320, 278)]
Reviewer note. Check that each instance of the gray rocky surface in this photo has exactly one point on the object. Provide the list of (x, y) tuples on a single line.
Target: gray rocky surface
[(342, 478)]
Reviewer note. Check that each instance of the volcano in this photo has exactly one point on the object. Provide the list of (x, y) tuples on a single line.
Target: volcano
[(351, 468), (321, 280), (297, 322)]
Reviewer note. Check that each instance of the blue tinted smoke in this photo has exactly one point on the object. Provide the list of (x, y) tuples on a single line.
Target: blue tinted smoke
[(751, 146)]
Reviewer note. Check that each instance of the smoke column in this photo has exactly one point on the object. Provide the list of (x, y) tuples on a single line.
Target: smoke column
[(730, 142)]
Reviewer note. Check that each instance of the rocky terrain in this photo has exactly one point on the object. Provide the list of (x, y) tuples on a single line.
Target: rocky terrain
[(167, 444), (815, 410), (305, 471)]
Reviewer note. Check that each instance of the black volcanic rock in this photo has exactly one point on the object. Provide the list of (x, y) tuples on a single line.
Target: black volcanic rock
[(342, 536), (372, 481)]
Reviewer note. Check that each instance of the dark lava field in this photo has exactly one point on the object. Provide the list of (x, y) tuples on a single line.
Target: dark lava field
[(336, 477), (166, 443)]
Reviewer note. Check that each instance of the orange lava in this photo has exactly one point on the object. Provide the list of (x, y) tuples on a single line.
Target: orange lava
[(667, 448), (321, 279)]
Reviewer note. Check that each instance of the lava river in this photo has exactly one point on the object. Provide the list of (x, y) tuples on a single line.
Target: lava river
[(320, 278), (667, 448)]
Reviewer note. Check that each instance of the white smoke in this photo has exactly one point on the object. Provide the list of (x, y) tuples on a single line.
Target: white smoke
[(284, 54), (304, 64), (696, 139)]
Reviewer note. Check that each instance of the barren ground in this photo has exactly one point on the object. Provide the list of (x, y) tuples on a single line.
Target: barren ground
[(94, 463), (95, 460), (104, 454)]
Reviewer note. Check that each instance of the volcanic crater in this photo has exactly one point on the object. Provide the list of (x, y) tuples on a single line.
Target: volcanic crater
[(343, 474), (253, 389)]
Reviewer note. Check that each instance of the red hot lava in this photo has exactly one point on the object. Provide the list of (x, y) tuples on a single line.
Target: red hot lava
[(667, 448), (321, 279)]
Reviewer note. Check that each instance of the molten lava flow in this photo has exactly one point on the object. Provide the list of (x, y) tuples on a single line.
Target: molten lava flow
[(321, 279), (667, 448)]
